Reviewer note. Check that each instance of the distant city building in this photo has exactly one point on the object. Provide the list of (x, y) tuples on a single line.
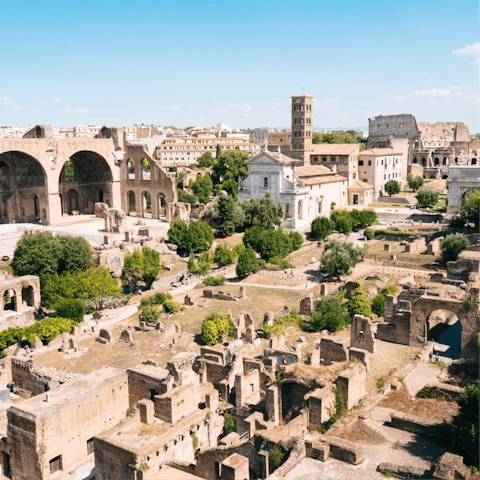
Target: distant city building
[(184, 151), (343, 157), (259, 135), (13, 132), (280, 137), (432, 148)]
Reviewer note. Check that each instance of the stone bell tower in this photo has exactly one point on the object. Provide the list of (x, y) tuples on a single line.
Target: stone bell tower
[(302, 127)]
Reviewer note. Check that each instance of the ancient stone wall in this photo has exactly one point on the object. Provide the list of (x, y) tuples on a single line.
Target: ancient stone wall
[(39, 431), (177, 403), (145, 382)]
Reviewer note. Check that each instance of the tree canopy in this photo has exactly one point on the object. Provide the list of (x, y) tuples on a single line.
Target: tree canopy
[(262, 212), (339, 137), (415, 182), (202, 188), (230, 165), (206, 160), (330, 313), (247, 262), (340, 257), (427, 197), (453, 245), (469, 214), (322, 227), (392, 187)]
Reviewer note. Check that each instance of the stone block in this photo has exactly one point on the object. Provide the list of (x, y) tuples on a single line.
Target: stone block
[(37, 343), (353, 384), (126, 336), (187, 301), (243, 292), (269, 318), (362, 356), (306, 305), (212, 400), (147, 410), (235, 467), (208, 293), (387, 247), (106, 335), (346, 451), (4, 395), (332, 351), (323, 289), (319, 401), (317, 450), (362, 335), (73, 343), (313, 358)]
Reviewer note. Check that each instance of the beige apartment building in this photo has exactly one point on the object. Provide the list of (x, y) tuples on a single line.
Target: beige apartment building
[(282, 137), (376, 166), (343, 156), (184, 151)]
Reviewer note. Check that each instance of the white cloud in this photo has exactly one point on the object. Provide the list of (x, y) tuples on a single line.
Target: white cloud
[(473, 49), (172, 108), (18, 108), (75, 110), (432, 92), (6, 102), (53, 100), (36, 111)]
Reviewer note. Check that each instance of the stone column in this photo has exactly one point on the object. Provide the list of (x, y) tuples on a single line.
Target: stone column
[(18, 302), (272, 404), (115, 197)]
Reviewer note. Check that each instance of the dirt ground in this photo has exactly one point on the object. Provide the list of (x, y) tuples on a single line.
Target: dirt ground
[(432, 408), (232, 241), (305, 259)]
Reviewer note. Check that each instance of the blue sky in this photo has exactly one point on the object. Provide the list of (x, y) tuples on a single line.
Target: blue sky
[(201, 63)]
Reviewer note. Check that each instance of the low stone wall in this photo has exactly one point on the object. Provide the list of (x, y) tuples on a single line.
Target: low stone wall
[(318, 451), (403, 472), (303, 250), (344, 450), (415, 424), (444, 390)]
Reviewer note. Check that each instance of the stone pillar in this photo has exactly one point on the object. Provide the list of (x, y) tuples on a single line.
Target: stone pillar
[(323, 289), (243, 292), (212, 400), (319, 402), (116, 197), (18, 302), (272, 405), (239, 390)]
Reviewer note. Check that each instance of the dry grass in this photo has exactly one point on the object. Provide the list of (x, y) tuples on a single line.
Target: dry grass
[(322, 375), (178, 266), (232, 241), (359, 432), (259, 301), (306, 258), (432, 408), (266, 280)]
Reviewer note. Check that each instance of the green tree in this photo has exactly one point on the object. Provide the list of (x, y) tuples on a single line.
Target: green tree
[(274, 243), (321, 228), (76, 255), (37, 254), (230, 165), (340, 257), (392, 187), (199, 236), (329, 314), (202, 188), (252, 237), (377, 304), (226, 205), (187, 198), (344, 224), (219, 151), (206, 160), (415, 182), (205, 262), (367, 217), (359, 304), (427, 197), (296, 241), (209, 332), (96, 285), (72, 308), (453, 245), (192, 266), (276, 457), (152, 266), (132, 269), (262, 212), (149, 314), (464, 437), (213, 328), (177, 234), (247, 262), (469, 214), (369, 233), (169, 306), (224, 255)]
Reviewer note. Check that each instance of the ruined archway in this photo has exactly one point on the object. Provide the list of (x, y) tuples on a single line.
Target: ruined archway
[(131, 205), (288, 211), (444, 328), (88, 173), (467, 312), (146, 204), (23, 190)]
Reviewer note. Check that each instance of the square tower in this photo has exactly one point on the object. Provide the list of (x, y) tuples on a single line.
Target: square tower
[(302, 127)]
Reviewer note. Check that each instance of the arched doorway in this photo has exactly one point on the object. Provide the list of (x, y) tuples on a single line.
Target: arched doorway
[(27, 296), (288, 211), (444, 177), (161, 205), (23, 187), (9, 300), (145, 169), (293, 398), (146, 200), (131, 206), (130, 169), (87, 172), (72, 201), (100, 196), (474, 161)]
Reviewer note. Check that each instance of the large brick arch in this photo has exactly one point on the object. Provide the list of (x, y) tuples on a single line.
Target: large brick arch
[(469, 318)]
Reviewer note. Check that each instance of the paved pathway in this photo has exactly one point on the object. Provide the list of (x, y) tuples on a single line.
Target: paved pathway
[(422, 374)]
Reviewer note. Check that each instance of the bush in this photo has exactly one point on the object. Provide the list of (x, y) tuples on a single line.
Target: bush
[(415, 183), (282, 263), (149, 314), (157, 299), (262, 212), (276, 458), (76, 255), (392, 232), (427, 197), (196, 237), (247, 262), (213, 328), (359, 304), (72, 308), (453, 245), (369, 233), (321, 228), (339, 257), (230, 423), (224, 255), (169, 306), (252, 236), (377, 304), (213, 281), (329, 314)]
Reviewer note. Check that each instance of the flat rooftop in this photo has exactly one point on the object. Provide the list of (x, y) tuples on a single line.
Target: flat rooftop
[(71, 392)]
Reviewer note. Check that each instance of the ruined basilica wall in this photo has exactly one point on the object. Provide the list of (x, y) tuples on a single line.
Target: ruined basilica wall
[(402, 124), (38, 433)]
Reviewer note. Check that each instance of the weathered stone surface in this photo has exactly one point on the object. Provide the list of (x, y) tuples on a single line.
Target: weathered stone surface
[(362, 335), (106, 335), (306, 305), (126, 336), (332, 351)]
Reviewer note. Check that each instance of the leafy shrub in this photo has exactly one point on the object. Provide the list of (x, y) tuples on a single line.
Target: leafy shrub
[(470, 304), (453, 245), (230, 423), (213, 328), (224, 255), (169, 306), (149, 314), (281, 262), (369, 233), (359, 304), (157, 299), (427, 197), (339, 257), (276, 458), (321, 228), (329, 314), (72, 308), (392, 232), (247, 262), (213, 281)]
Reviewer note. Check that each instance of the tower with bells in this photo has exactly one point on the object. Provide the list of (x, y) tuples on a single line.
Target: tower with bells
[(302, 127)]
